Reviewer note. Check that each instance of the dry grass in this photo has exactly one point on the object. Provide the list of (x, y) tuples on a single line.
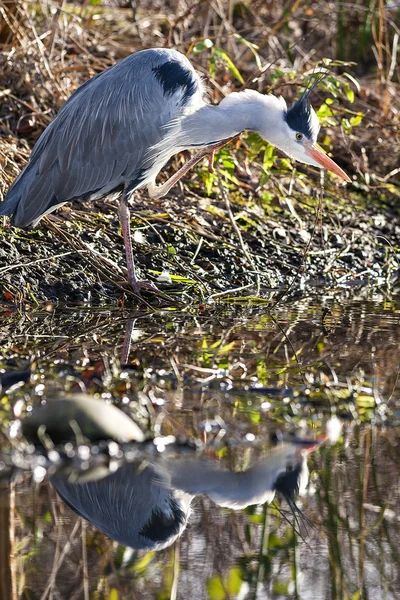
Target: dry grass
[(50, 48)]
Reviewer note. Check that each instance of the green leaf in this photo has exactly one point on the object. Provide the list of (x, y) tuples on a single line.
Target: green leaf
[(255, 142), (208, 179), (353, 80), (48, 517), (212, 65), (286, 164), (324, 111), (143, 562), (215, 589), (276, 542), (269, 157), (252, 47), (203, 45), (266, 199), (349, 93), (258, 519), (182, 279), (254, 416), (230, 177), (282, 588), (227, 348), (365, 401), (223, 56), (356, 120), (234, 581), (227, 159), (264, 178)]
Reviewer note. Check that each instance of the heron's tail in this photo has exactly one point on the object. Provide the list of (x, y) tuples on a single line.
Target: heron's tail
[(10, 202), (13, 204)]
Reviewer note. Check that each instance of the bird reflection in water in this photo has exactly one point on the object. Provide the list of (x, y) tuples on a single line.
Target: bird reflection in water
[(135, 506), (147, 506)]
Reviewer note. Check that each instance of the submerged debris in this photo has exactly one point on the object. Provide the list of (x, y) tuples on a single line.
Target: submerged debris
[(80, 416)]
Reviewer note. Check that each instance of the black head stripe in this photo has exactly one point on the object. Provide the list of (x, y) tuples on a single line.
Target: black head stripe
[(298, 117), (288, 484)]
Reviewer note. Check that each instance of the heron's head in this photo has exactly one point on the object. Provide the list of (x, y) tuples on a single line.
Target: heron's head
[(295, 132), (292, 475)]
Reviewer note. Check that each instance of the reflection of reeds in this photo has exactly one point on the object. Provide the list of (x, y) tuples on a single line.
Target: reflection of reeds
[(263, 559), (357, 498), (333, 342), (8, 589)]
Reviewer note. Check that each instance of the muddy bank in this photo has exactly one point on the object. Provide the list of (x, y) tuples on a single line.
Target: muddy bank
[(189, 247)]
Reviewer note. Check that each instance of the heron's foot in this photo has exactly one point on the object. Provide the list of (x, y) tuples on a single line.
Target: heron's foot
[(145, 284), (148, 286), (138, 285)]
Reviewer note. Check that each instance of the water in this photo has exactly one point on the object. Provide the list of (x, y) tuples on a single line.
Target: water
[(237, 398)]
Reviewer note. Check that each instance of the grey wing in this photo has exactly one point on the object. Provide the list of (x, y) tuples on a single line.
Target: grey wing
[(102, 137)]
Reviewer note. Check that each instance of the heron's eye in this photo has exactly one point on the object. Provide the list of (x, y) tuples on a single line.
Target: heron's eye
[(299, 136)]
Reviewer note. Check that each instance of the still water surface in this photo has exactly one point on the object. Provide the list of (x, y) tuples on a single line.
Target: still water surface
[(249, 410)]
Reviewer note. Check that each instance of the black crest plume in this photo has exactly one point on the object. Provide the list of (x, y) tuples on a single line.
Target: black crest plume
[(287, 485), (298, 117)]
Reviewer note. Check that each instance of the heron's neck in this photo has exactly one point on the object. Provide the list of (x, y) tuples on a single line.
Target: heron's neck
[(237, 112)]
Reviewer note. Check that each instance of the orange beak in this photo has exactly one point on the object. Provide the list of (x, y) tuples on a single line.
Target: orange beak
[(305, 447), (316, 153)]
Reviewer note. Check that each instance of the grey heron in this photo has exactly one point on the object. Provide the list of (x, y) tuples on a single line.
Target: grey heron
[(117, 131), (148, 505)]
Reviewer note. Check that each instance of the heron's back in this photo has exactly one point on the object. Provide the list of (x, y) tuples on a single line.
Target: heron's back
[(102, 139)]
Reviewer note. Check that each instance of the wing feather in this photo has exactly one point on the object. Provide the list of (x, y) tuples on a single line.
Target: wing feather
[(103, 135)]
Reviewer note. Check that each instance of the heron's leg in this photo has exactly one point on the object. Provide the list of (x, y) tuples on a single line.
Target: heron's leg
[(126, 348), (158, 191), (212, 150), (124, 217)]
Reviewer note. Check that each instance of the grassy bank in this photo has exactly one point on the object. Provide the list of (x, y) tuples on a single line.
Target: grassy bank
[(260, 226)]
